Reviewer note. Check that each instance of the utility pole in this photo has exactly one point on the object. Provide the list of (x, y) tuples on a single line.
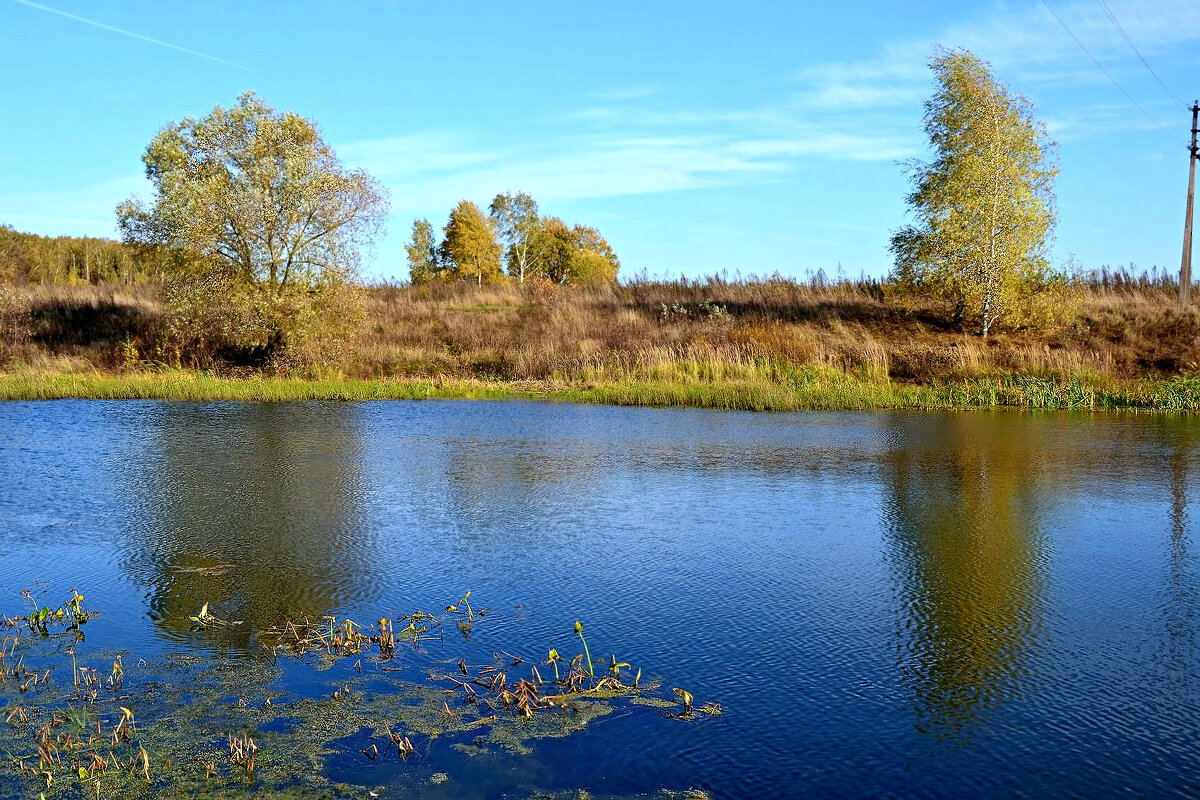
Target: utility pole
[(1185, 266)]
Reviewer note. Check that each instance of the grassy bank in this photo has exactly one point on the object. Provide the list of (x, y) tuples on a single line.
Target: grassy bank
[(814, 389), (1119, 342)]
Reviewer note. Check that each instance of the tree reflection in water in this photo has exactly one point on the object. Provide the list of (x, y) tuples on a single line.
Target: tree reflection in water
[(968, 561), (254, 508), (1181, 601)]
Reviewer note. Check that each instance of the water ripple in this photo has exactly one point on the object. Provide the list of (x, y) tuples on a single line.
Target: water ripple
[(884, 604)]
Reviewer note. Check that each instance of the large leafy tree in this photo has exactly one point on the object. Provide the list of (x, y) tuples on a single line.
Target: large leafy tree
[(594, 261), (470, 249), (984, 204), (517, 223), (555, 246), (257, 196), (578, 255), (266, 227)]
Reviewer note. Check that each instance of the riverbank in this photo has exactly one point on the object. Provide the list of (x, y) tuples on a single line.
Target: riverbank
[(768, 344), (810, 389)]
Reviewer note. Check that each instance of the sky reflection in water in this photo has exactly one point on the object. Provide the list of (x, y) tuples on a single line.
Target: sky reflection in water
[(883, 603)]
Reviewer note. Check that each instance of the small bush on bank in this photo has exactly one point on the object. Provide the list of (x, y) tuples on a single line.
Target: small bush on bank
[(215, 323)]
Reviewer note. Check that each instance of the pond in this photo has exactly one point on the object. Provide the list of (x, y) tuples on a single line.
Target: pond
[(869, 604)]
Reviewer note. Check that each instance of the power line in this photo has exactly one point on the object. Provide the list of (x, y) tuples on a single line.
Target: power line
[(1102, 69), (1121, 30)]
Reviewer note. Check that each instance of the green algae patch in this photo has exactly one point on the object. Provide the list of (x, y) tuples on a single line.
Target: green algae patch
[(653, 702), (518, 738), (213, 726)]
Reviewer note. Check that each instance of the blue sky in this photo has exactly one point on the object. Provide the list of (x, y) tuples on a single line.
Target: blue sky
[(697, 136)]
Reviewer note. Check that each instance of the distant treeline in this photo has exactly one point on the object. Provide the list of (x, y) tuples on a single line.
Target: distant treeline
[(27, 258), (31, 259)]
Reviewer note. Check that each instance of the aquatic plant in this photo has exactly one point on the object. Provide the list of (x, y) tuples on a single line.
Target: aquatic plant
[(614, 666), (206, 619), (345, 638), (386, 639), (463, 607), (116, 680), (241, 752), (690, 712), (70, 615), (124, 730), (463, 602), (579, 632), (162, 728)]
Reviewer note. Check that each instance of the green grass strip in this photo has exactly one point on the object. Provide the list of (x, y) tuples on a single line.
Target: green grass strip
[(806, 389)]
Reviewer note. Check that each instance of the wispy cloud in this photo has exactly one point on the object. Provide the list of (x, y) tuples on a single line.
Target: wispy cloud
[(431, 171), (555, 170), (130, 34), (863, 110), (75, 211), (619, 150), (895, 77), (435, 151), (1085, 121), (1026, 45), (623, 218), (620, 93)]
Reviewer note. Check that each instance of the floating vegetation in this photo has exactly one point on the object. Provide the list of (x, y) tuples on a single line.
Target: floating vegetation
[(206, 619), (69, 616), (690, 713), (216, 726), (499, 686), (463, 607), (338, 639)]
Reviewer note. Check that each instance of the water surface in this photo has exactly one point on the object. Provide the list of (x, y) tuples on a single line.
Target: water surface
[(943, 605)]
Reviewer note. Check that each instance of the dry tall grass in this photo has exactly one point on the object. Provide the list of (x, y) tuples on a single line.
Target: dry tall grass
[(717, 330), (703, 331)]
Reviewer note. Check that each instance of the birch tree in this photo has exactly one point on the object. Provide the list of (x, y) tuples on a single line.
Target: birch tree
[(517, 223), (984, 204), (423, 260)]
